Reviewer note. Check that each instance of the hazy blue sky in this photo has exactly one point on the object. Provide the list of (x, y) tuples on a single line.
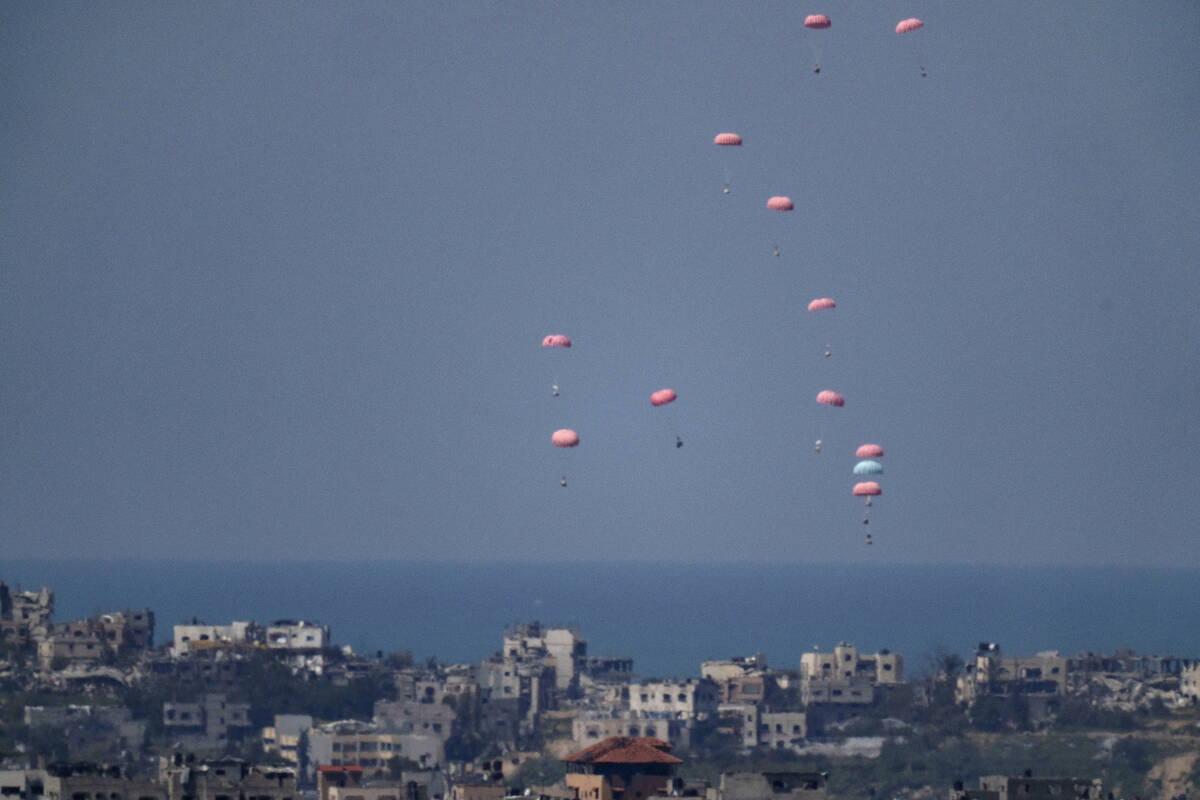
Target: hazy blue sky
[(274, 277)]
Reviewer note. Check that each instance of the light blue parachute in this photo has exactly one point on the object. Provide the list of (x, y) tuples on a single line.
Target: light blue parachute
[(868, 468)]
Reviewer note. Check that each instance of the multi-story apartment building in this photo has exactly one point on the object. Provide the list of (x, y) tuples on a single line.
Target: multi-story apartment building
[(210, 724), (679, 699), (846, 677)]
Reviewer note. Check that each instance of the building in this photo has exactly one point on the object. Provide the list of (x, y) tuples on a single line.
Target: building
[(81, 641), (621, 768), (609, 669), (1189, 682), (777, 730), (436, 720), (213, 723), (354, 743), (675, 699), (770, 786), (1041, 676), (284, 738), (846, 677), (588, 729), (740, 680), (297, 635), (566, 649), (477, 789), (180, 777), (90, 731), (129, 630), (189, 638), (1027, 787), (24, 616), (190, 778), (351, 783)]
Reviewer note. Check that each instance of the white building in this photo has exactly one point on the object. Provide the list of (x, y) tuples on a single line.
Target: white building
[(286, 634), (198, 635), (687, 699)]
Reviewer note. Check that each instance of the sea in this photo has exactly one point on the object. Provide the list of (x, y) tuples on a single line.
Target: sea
[(667, 617)]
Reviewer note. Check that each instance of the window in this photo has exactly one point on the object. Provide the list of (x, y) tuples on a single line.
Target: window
[(887, 667), (682, 697), (666, 698), (837, 692)]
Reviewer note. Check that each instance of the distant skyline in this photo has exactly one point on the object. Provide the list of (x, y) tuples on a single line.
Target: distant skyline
[(667, 617), (274, 279)]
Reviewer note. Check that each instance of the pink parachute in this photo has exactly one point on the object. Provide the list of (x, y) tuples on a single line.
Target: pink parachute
[(728, 140), (662, 397), (869, 451), (821, 303), (780, 204), (816, 21), (564, 438), (556, 340), (831, 398), (908, 25), (867, 489)]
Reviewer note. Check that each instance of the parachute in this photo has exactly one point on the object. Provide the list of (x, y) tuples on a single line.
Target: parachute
[(662, 397), (831, 398), (821, 303), (816, 21), (868, 468), (867, 489), (908, 25), (869, 451), (556, 340), (564, 438), (728, 140), (780, 204)]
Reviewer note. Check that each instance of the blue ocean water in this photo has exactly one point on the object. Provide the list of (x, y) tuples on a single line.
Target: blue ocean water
[(667, 617)]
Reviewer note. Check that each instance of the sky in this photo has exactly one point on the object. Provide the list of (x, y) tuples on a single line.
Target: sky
[(274, 279)]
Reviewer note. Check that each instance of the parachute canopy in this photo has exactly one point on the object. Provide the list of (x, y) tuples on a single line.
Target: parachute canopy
[(869, 451), (728, 140), (564, 438), (908, 25), (867, 489), (831, 398), (821, 303), (868, 468), (780, 204), (556, 340), (816, 21), (662, 397)]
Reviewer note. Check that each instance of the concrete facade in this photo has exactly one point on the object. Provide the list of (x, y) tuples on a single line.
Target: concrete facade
[(1027, 787), (1044, 674), (198, 635), (686, 699), (213, 723), (770, 786)]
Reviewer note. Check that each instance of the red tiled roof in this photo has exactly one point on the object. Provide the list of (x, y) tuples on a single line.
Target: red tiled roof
[(626, 750)]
